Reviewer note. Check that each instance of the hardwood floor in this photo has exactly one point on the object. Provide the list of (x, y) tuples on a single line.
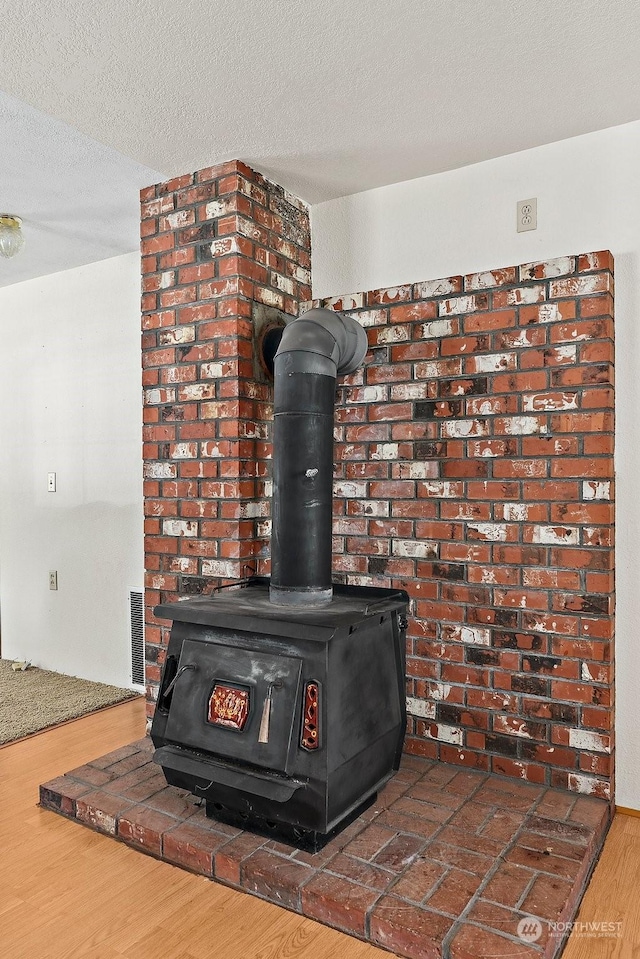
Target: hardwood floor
[(612, 897), (69, 893)]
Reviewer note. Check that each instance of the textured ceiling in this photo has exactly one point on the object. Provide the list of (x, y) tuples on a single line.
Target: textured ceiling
[(328, 97), (77, 198)]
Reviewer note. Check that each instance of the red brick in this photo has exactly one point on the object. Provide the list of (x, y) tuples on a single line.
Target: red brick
[(338, 902), (471, 941), (408, 930), (271, 875)]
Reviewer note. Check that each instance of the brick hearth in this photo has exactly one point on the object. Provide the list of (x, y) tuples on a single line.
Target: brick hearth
[(445, 864)]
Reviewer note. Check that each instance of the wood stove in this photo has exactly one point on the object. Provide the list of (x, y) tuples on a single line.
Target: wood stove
[(285, 720), (282, 701)]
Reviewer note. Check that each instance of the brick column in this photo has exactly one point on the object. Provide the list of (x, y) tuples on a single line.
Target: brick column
[(218, 247)]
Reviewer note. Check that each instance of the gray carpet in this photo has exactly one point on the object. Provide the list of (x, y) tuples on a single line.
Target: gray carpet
[(36, 699)]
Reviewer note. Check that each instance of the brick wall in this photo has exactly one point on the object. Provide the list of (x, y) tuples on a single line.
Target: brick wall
[(474, 467), (475, 470)]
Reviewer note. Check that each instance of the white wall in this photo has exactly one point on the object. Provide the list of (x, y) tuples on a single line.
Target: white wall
[(588, 193), (70, 402)]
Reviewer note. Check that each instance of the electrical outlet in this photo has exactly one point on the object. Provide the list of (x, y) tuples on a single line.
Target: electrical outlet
[(527, 215), (51, 482), (53, 579)]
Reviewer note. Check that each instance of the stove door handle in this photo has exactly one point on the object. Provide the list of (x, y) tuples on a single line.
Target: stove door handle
[(177, 676)]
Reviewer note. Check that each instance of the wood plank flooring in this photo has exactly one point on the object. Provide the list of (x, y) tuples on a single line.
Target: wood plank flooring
[(69, 893)]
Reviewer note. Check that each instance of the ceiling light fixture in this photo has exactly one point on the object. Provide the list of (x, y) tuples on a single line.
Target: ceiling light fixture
[(11, 236)]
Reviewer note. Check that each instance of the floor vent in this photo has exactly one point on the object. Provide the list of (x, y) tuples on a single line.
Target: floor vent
[(136, 605)]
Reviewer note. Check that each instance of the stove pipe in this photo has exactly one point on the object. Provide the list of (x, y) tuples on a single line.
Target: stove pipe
[(315, 349)]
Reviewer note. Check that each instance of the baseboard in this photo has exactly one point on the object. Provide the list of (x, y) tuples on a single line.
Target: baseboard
[(626, 811)]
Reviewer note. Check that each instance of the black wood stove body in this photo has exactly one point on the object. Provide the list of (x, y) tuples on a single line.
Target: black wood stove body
[(285, 720), (282, 703)]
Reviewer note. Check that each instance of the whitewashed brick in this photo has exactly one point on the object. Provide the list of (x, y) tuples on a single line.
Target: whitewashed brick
[(359, 580), (462, 428), (520, 339), (445, 734), (409, 391), (350, 490), (160, 470), (428, 469), (585, 739), (184, 451), (394, 293), (494, 362), (436, 329), (439, 691), (484, 448), (372, 394), (179, 527), (167, 279), (181, 334), (589, 786), (394, 334), (525, 294), (549, 313), (270, 298), (385, 451), (416, 549), (515, 512), (254, 508), (421, 708), (212, 371), (524, 426), (218, 208), (373, 507), (178, 219), (560, 266), (473, 635), (594, 489), (431, 288), (302, 275), (369, 318), (493, 532), (224, 246), (211, 449), (307, 305), (197, 391), (220, 568), (351, 301), (514, 727), (459, 304), (555, 535), (443, 490), (432, 369), (582, 285), (156, 396), (541, 402), (284, 283), (484, 281)]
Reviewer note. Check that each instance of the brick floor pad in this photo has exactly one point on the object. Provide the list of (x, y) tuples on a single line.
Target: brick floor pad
[(448, 862)]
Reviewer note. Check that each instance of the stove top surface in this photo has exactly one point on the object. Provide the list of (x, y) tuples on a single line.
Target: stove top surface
[(244, 605)]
